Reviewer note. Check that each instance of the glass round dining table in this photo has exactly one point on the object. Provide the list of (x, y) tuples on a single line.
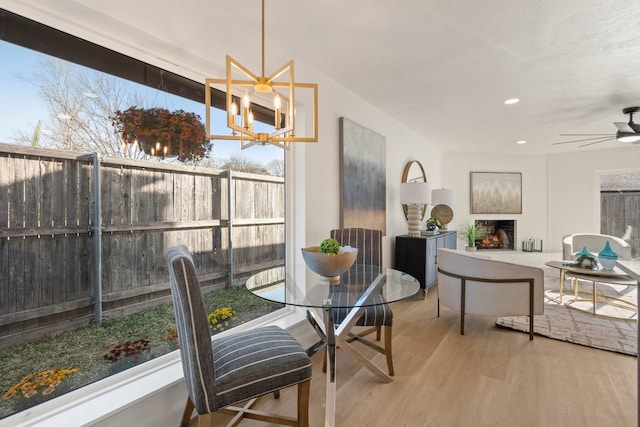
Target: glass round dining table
[(276, 286), (359, 287)]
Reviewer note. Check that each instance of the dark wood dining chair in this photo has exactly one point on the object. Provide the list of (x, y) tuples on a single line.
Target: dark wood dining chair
[(377, 317), (241, 367)]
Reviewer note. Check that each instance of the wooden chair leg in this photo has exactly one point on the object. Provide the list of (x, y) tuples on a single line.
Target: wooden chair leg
[(186, 415), (205, 420), (303, 403), (387, 349), (378, 332)]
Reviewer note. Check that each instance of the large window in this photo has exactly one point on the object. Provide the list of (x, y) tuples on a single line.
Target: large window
[(62, 92)]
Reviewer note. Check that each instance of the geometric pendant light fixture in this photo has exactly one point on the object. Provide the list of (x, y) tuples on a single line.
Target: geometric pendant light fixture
[(245, 90)]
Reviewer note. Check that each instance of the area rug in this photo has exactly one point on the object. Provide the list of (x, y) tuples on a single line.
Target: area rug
[(564, 324)]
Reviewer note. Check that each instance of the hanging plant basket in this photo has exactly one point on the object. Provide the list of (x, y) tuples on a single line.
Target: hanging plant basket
[(163, 133)]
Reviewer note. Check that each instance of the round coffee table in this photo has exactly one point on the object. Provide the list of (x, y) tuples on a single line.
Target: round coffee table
[(616, 278)]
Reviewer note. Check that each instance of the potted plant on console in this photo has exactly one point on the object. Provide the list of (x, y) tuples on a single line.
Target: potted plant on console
[(471, 233), (433, 226)]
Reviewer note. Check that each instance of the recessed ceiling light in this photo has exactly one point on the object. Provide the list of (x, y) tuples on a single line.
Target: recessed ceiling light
[(512, 101), (521, 142)]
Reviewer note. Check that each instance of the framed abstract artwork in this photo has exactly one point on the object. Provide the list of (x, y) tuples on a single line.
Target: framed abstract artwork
[(496, 193), (363, 177)]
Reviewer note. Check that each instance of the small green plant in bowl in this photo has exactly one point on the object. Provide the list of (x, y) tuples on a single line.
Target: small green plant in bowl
[(329, 260), (330, 246)]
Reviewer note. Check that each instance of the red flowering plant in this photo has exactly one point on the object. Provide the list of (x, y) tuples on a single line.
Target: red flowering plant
[(128, 349), (160, 132)]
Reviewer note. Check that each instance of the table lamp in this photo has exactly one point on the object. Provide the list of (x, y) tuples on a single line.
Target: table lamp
[(443, 199), (416, 195)]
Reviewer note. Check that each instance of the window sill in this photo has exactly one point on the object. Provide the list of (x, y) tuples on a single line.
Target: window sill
[(132, 397)]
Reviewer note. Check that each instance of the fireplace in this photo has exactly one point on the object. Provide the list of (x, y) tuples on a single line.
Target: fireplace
[(498, 234)]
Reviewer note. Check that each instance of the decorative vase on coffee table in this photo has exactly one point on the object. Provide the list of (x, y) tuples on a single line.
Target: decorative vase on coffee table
[(607, 257), (584, 252), (586, 259)]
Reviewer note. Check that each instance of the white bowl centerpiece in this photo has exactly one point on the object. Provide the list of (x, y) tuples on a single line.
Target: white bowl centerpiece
[(329, 260)]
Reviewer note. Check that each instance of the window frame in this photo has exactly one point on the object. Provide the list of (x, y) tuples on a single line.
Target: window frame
[(98, 400), (36, 36)]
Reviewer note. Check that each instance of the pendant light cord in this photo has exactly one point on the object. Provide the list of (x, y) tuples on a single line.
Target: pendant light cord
[(263, 38)]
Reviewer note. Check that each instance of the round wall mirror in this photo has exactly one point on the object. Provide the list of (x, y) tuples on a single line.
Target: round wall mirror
[(414, 172)]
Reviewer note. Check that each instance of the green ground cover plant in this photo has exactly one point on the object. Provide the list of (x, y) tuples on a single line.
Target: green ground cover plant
[(90, 350)]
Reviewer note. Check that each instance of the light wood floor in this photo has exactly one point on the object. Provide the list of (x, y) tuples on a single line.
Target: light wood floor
[(488, 377)]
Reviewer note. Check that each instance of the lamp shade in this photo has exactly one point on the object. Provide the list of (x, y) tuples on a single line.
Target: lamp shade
[(415, 193), (442, 196)]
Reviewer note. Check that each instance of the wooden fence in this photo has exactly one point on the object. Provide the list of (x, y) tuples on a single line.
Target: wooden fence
[(619, 210), (64, 263)]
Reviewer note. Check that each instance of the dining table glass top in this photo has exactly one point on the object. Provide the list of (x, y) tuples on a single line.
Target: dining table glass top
[(276, 285)]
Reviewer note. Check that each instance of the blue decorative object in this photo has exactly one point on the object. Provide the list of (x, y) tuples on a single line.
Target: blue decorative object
[(585, 259), (607, 257), (584, 252)]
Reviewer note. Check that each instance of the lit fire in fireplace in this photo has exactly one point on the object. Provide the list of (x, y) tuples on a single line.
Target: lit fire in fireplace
[(490, 242), (497, 234)]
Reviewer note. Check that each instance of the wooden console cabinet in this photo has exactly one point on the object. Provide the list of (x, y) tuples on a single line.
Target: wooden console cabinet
[(418, 256)]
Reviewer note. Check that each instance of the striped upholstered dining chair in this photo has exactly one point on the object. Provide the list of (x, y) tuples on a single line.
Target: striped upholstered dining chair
[(238, 368), (369, 244)]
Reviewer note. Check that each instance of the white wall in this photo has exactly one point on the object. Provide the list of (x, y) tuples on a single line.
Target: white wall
[(322, 189), (532, 223), (573, 193), (560, 191)]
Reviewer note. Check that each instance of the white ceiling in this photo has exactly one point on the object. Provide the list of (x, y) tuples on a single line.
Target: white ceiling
[(444, 68)]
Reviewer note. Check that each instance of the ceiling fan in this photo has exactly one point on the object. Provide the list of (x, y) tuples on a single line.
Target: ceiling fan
[(627, 132)]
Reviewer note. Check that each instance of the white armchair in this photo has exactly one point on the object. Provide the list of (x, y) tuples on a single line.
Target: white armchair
[(472, 284), (595, 243)]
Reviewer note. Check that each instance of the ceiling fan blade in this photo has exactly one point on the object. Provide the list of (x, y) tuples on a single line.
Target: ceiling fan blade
[(604, 136), (564, 142), (597, 142), (624, 127)]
